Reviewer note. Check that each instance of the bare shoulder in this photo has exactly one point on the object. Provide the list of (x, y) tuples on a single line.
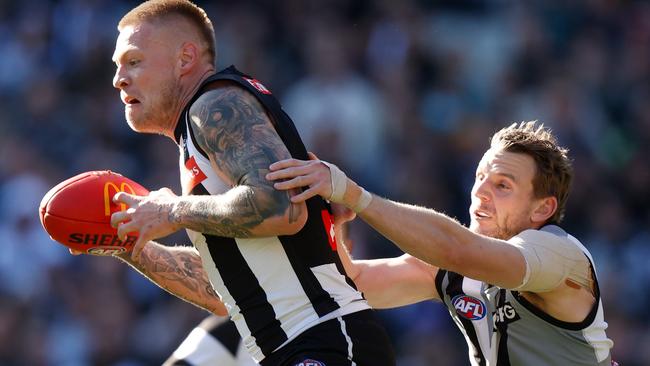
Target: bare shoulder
[(234, 129)]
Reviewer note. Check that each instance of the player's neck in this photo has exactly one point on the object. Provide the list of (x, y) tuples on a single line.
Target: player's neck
[(186, 94)]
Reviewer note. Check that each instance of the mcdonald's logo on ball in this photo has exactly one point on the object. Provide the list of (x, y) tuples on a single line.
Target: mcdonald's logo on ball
[(108, 198), (77, 212)]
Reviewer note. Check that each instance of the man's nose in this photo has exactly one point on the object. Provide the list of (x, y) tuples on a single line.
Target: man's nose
[(120, 79), (481, 190)]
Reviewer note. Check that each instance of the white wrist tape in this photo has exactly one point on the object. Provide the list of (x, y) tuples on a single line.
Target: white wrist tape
[(339, 183), (364, 201)]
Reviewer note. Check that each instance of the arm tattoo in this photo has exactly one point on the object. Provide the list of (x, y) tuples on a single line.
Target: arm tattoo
[(232, 127), (179, 271)]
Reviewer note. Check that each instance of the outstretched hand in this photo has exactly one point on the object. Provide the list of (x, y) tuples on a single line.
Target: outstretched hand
[(296, 173), (149, 215)]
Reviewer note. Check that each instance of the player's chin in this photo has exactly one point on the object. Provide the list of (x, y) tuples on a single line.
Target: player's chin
[(136, 124), (483, 228)]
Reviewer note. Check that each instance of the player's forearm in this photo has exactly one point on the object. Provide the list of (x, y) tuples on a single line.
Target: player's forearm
[(346, 259), (358, 271), (424, 233), (394, 282), (179, 271), (242, 212)]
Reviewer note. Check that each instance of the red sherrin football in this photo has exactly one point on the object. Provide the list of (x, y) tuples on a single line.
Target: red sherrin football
[(77, 212)]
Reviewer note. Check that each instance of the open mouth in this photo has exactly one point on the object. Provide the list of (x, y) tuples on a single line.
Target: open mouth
[(128, 100), (481, 215)]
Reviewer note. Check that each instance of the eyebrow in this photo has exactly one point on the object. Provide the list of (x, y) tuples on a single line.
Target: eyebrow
[(115, 58), (123, 55), (508, 175)]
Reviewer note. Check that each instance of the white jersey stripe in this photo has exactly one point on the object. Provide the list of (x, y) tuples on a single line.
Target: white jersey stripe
[(268, 261), (474, 288), (333, 282), (347, 339)]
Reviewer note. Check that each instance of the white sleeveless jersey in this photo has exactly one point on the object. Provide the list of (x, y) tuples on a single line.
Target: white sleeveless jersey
[(502, 328)]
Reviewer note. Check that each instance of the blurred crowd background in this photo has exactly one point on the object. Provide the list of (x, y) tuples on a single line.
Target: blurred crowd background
[(402, 94)]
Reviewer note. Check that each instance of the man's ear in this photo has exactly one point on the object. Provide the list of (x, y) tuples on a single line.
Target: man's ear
[(545, 208), (189, 56)]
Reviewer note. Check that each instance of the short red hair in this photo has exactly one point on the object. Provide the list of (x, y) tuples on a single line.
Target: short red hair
[(154, 11)]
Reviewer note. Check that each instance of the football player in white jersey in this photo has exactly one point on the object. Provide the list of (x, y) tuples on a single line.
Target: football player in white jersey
[(521, 290)]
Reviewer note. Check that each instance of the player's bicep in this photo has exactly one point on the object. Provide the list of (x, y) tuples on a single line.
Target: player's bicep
[(489, 260), (234, 130)]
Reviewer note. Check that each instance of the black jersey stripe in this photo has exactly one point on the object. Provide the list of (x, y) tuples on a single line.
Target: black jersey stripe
[(439, 279), (249, 296), (503, 358), (310, 248), (199, 190), (455, 288)]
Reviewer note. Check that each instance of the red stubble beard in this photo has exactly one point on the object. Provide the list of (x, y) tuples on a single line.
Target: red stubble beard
[(145, 117)]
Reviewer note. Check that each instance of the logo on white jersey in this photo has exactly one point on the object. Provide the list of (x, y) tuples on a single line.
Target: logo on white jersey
[(191, 175), (469, 307), (505, 314)]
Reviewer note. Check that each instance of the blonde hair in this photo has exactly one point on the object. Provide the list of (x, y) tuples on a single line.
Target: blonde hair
[(554, 172), (162, 10)]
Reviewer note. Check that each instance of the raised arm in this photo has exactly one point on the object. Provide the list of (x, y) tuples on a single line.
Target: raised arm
[(424, 233)]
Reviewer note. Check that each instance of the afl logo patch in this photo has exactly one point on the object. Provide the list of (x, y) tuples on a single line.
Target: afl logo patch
[(310, 362), (469, 307)]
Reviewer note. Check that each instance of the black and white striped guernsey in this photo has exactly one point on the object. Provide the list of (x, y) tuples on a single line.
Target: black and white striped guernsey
[(502, 328), (274, 287)]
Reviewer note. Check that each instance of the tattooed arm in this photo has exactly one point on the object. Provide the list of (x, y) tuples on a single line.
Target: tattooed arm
[(231, 126), (177, 270)]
